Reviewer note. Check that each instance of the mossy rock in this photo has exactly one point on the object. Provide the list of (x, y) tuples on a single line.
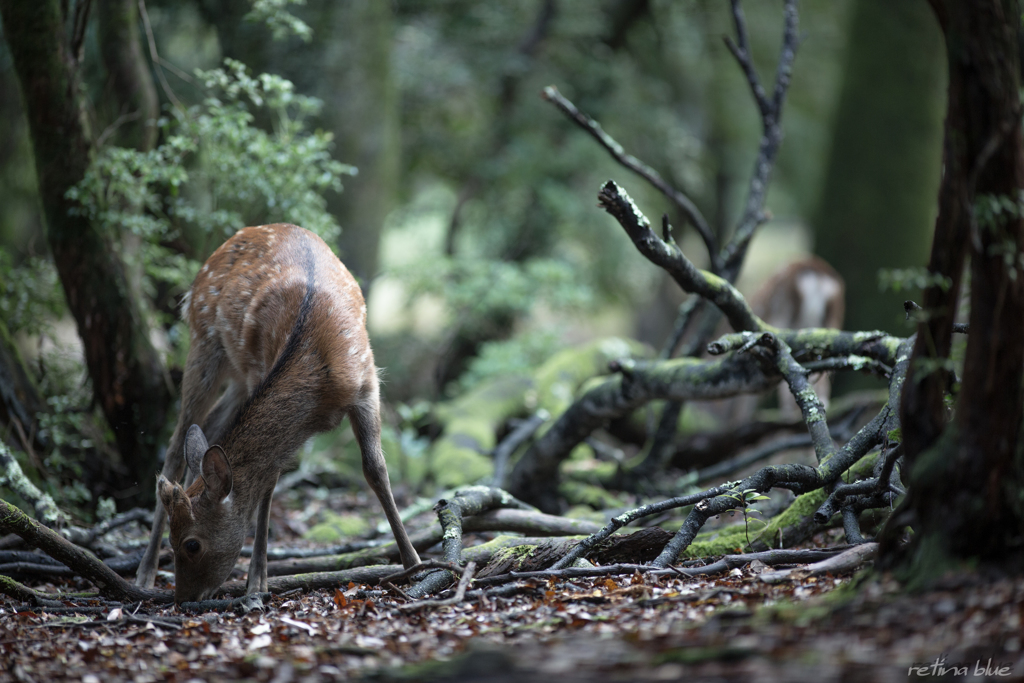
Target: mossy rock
[(457, 463), (336, 528), (580, 493), (470, 422)]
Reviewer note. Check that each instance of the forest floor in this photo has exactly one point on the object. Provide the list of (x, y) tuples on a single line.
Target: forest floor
[(733, 627)]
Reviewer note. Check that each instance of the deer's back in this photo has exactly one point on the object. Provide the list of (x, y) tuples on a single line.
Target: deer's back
[(275, 299)]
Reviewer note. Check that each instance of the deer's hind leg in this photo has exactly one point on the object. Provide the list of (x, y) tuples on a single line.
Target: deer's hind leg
[(365, 418)]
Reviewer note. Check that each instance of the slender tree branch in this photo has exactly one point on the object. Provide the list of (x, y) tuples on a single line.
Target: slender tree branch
[(771, 119), (460, 592), (741, 51), (682, 202), (669, 256)]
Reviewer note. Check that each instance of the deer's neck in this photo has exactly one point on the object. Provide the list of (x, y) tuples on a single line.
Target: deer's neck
[(268, 433)]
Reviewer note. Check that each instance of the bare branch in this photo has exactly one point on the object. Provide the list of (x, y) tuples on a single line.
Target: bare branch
[(771, 138), (684, 203), (715, 289), (460, 593), (742, 54)]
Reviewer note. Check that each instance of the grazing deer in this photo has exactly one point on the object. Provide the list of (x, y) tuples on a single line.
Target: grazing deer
[(275, 316), (805, 293)]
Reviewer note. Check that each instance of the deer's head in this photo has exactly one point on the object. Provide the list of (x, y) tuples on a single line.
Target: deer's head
[(206, 537)]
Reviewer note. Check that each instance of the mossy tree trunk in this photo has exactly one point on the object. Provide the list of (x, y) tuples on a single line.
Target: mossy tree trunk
[(126, 372), (966, 476)]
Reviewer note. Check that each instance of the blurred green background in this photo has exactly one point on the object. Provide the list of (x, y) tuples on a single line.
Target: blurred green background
[(472, 222)]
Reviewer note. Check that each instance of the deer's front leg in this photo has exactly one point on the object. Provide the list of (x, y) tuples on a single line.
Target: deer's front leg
[(257, 581), (174, 468)]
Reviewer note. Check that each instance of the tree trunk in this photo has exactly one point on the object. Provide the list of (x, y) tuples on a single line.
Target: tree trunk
[(966, 476), (126, 372), (361, 98), (883, 169), (130, 97)]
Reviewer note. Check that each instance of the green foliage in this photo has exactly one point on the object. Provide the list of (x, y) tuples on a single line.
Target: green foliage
[(279, 20), (215, 172), (476, 288), (517, 356), (30, 294), (992, 211), (903, 279), (745, 498)]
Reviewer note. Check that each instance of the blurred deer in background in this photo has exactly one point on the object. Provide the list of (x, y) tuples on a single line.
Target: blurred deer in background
[(275, 316), (805, 293)]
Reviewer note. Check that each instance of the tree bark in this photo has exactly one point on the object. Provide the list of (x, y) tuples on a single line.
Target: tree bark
[(130, 96), (126, 372), (966, 478)]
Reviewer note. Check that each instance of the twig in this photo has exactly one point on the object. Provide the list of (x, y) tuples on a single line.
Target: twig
[(726, 563), (911, 308), (586, 545), (86, 537), (742, 54), (460, 593), (856, 363), (157, 62), (391, 586), (797, 478), (771, 138), (670, 257), (684, 203)]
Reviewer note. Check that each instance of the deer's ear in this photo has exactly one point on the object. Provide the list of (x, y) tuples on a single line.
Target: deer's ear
[(216, 473), (174, 498), (195, 447)]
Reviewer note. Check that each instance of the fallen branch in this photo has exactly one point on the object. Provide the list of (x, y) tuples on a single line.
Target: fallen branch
[(83, 562), (460, 592), (468, 501), (500, 520), (843, 563), (726, 563)]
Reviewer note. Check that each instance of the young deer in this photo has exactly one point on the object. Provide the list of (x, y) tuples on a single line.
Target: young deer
[(277, 318)]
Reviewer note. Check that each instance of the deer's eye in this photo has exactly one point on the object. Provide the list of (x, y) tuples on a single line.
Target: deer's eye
[(192, 546)]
